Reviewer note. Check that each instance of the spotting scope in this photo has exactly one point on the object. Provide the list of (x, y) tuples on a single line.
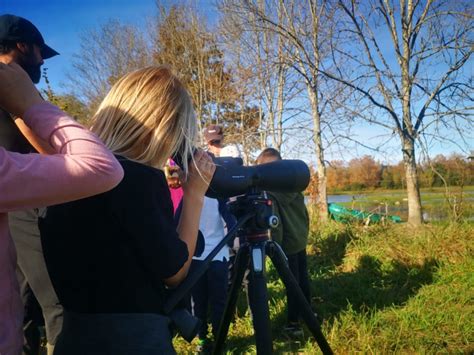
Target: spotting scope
[(232, 178)]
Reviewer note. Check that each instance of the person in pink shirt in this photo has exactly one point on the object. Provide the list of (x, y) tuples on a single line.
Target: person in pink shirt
[(172, 177), (21, 42), (81, 167)]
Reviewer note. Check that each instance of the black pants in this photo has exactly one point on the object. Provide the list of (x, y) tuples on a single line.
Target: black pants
[(299, 267), (210, 289), (33, 319), (33, 276)]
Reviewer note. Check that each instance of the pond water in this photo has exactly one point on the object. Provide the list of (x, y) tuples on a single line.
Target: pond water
[(435, 207), (343, 198)]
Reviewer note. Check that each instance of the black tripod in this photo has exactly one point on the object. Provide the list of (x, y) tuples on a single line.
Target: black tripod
[(255, 217)]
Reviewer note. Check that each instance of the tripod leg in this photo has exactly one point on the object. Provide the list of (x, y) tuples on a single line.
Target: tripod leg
[(258, 300), (279, 261), (241, 264)]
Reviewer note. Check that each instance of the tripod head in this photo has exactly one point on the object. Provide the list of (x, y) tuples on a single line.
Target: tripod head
[(259, 205)]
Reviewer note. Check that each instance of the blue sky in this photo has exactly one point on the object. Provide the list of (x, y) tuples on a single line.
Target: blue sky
[(62, 21)]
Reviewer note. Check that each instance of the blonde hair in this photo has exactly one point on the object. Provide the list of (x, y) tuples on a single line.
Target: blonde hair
[(147, 117)]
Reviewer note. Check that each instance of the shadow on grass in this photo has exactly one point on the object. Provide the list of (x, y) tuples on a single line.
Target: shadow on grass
[(371, 285), (331, 250)]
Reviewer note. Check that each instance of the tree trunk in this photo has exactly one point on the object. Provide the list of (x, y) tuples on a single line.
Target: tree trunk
[(279, 107), (263, 129), (415, 216), (322, 178)]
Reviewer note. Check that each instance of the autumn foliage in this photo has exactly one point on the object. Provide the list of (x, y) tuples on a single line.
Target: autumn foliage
[(367, 173)]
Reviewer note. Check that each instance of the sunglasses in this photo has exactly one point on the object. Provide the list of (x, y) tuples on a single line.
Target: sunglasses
[(215, 142)]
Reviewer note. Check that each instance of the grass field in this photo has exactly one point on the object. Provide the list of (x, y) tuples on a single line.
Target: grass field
[(380, 289)]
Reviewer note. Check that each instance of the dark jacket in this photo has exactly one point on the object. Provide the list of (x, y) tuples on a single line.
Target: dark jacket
[(292, 232)]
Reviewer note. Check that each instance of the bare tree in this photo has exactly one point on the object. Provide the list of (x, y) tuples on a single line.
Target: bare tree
[(260, 52), (406, 66), (106, 53), (177, 36), (305, 27)]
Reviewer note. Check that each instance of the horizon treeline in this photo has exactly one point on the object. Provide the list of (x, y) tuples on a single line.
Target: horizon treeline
[(367, 173)]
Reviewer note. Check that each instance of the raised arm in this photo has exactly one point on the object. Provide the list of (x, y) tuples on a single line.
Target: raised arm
[(37, 143), (81, 167), (201, 172)]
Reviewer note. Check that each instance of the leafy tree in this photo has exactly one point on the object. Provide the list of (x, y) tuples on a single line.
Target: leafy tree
[(387, 178), (338, 175), (68, 102), (364, 172), (183, 41)]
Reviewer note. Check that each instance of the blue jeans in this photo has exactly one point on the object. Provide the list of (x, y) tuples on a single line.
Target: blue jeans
[(210, 289), (114, 334)]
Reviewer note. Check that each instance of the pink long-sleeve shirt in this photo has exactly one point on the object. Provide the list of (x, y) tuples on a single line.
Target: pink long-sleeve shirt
[(82, 167)]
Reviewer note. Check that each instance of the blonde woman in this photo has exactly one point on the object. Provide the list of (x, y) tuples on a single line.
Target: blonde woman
[(123, 248)]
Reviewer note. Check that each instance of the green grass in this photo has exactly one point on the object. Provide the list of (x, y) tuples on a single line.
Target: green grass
[(380, 289)]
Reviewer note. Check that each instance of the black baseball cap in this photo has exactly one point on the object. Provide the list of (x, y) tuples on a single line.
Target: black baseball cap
[(17, 29)]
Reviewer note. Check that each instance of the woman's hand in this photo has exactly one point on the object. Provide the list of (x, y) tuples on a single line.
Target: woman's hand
[(200, 174), (173, 175), (17, 91)]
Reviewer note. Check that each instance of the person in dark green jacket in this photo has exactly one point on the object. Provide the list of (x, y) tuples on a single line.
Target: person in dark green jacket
[(292, 236)]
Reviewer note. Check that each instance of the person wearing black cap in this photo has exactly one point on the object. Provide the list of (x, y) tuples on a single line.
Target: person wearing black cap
[(22, 43), (22, 40), (214, 136)]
